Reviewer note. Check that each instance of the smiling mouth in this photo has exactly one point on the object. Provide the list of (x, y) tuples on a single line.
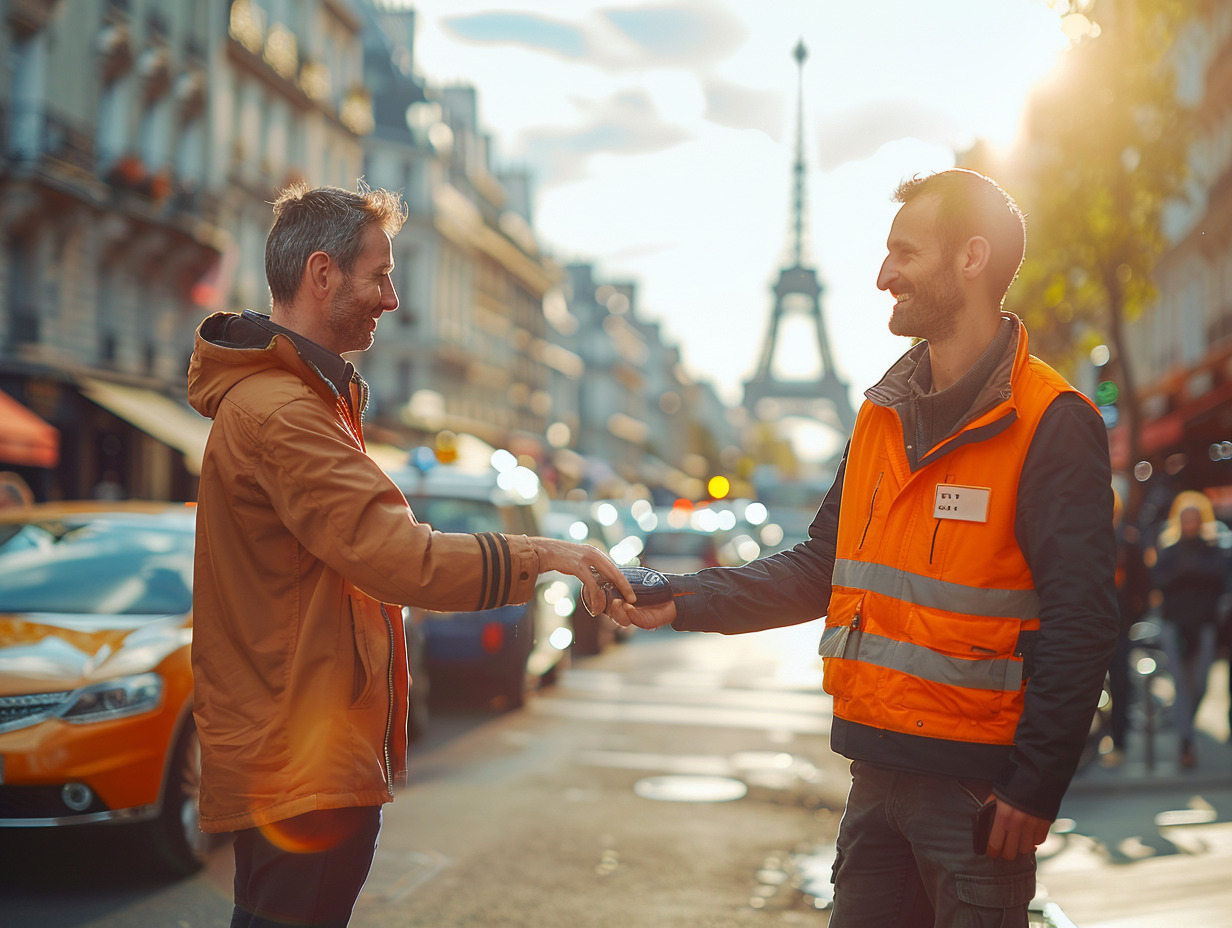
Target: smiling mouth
[(900, 298)]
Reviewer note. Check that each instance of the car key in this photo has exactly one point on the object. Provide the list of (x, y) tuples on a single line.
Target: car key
[(650, 587)]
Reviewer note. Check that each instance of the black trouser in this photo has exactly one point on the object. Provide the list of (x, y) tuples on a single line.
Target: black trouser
[(305, 871)]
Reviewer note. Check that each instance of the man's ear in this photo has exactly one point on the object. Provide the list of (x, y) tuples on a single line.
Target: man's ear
[(975, 257), (319, 272)]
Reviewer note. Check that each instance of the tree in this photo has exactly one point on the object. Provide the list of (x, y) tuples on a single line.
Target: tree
[(1104, 149)]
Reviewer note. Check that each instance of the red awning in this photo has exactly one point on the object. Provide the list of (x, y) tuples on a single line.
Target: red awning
[(24, 437)]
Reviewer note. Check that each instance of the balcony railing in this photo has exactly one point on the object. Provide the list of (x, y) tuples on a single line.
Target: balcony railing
[(32, 134)]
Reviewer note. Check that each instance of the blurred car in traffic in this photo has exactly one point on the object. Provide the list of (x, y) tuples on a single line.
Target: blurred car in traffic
[(95, 684), (505, 651), (581, 523), (683, 540)]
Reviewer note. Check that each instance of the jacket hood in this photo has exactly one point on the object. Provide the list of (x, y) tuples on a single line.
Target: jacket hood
[(230, 348)]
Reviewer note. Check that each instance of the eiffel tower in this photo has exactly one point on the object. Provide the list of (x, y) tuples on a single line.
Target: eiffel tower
[(824, 398)]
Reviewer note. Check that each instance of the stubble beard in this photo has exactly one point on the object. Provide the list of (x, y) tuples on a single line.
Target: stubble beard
[(933, 310), (346, 323)]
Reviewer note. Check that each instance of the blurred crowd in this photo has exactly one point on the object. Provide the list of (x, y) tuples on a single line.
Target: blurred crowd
[(1175, 594)]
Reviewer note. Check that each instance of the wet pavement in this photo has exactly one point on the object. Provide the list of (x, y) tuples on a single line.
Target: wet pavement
[(1144, 841)]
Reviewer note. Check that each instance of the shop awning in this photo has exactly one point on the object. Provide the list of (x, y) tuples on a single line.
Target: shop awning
[(160, 417), (25, 438)]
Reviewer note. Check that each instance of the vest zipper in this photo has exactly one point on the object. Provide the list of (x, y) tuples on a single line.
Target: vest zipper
[(853, 632), (871, 506)]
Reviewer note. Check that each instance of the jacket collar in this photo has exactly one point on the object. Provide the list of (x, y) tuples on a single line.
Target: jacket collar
[(904, 377), (333, 368), (992, 410)]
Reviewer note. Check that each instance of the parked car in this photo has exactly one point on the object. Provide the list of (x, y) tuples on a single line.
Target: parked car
[(96, 719), (510, 650)]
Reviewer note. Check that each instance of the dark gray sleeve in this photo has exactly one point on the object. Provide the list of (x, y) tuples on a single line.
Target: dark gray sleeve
[(783, 589), (1064, 528)]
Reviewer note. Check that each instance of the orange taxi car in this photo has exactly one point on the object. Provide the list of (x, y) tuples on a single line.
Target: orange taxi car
[(95, 683)]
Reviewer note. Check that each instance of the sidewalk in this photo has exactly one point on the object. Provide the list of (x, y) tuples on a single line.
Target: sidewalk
[(1154, 763), (1149, 844)]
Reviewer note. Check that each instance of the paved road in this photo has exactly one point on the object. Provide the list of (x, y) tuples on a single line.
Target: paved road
[(585, 810), (602, 804)]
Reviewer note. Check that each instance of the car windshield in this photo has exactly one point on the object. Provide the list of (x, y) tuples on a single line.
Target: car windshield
[(446, 514), (97, 567)]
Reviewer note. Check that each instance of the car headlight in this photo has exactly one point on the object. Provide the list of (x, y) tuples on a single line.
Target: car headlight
[(115, 699)]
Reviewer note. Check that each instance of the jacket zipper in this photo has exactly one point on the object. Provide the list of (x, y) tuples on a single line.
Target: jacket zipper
[(871, 506), (933, 547), (389, 715)]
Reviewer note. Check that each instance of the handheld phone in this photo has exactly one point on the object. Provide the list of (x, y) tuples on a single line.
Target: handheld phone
[(983, 826)]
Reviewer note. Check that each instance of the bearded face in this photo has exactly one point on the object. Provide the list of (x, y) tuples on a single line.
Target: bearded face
[(362, 296), (920, 272), (348, 321), (928, 307)]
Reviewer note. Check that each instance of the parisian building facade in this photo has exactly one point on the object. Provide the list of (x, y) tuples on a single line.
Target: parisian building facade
[(143, 141), (1182, 349)]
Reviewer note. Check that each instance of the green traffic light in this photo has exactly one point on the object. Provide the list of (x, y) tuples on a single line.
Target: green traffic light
[(1107, 393)]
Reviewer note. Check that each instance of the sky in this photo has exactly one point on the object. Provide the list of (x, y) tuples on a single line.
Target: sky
[(661, 136)]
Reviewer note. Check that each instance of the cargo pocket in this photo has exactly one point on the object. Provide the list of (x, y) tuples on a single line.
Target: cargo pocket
[(996, 892)]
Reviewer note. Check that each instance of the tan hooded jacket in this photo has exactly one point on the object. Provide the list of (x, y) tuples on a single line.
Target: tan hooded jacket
[(300, 671)]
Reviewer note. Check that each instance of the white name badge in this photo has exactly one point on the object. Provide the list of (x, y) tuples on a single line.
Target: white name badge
[(968, 504)]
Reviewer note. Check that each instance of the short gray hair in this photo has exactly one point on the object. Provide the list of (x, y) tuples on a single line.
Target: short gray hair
[(328, 219)]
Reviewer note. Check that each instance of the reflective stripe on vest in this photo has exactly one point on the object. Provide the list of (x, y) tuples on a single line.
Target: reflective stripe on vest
[(930, 593), (845, 641)]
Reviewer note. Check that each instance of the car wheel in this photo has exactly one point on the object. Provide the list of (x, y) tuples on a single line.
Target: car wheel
[(177, 839)]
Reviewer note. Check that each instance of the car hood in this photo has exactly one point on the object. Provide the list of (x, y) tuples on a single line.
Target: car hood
[(41, 652)]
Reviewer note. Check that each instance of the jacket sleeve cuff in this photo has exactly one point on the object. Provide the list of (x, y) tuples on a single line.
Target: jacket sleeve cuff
[(510, 569)]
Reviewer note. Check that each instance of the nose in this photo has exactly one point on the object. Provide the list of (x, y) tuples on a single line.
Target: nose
[(886, 275), (389, 296)]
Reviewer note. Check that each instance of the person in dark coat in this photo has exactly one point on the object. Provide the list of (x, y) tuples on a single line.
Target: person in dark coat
[(1190, 573)]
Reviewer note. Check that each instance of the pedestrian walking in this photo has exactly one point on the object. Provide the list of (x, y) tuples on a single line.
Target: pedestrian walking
[(964, 559), (305, 553), (1190, 572)]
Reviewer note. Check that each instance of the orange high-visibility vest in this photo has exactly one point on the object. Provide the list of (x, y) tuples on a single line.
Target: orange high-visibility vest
[(930, 589)]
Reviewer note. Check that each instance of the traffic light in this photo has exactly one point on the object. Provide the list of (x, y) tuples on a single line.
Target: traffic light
[(1107, 393)]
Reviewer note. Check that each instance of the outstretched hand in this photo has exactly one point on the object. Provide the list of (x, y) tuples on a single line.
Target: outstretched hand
[(625, 614), (588, 564)]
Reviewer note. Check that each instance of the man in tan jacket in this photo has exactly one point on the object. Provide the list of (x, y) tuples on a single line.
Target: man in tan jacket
[(303, 547)]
